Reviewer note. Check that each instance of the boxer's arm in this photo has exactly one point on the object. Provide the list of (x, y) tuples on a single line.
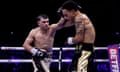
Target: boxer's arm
[(80, 23), (79, 36), (68, 23), (27, 43), (80, 27), (59, 24)]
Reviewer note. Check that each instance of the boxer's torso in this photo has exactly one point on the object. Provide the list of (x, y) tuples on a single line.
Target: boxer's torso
[(89, 32), (43, 40)]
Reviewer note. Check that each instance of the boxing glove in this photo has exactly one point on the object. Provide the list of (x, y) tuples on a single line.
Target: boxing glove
[(38, 53), (70, 40)]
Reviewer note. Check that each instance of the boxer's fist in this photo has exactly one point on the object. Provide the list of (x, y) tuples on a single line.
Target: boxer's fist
[(70, 40), (38, 53), (41, 54)]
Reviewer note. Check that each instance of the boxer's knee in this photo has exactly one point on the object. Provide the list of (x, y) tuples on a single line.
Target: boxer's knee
[(82, 67), (37, 65)]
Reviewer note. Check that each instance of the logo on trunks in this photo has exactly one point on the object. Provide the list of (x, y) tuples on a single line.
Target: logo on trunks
[(40, 53), (113, 57)]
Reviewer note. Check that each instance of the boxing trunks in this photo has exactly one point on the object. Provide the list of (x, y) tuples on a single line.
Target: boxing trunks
[(83, 58), (42, 62)]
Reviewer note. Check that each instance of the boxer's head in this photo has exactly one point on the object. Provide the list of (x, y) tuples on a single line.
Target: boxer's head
[(69, 8), (43, 21)]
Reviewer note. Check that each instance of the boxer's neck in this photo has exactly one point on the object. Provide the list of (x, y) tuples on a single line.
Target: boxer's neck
[(44, 30), (77, 13)]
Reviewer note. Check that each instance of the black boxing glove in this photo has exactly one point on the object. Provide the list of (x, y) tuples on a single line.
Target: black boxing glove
[(38, 53)]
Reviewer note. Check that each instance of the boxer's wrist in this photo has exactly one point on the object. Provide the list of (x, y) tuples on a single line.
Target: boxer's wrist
[(70, 40), (33, 51)]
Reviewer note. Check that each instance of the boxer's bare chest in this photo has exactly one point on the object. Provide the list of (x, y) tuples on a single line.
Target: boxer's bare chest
[(40, 36)]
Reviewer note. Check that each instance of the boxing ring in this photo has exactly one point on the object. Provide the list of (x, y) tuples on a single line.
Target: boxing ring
[(61, 56)]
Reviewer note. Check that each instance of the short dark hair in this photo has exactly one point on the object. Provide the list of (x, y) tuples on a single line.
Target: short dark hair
[(42, 16), (70, 5)]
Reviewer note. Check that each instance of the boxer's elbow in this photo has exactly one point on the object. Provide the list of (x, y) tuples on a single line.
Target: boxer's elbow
[(26, 46), (78, 39)]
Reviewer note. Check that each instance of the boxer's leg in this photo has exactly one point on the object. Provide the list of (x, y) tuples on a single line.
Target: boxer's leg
[(77, 54), (34, 66), (73, 65), (38, 64), (91, 63), (46, 64), (42, 65), (83, 66), (83, 61)]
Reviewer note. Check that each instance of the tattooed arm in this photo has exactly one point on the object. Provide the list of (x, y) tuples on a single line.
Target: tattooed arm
[(80, 27)]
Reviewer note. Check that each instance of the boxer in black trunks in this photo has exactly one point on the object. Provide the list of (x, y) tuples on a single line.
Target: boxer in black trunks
[(84, 37)]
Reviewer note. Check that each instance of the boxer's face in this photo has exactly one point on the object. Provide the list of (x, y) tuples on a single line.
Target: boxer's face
[(43, 23), (68, 14)]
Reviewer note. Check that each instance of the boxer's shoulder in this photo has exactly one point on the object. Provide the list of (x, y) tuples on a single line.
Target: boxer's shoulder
[(83, 19), (81, 16), (53, 26), (34, 30)]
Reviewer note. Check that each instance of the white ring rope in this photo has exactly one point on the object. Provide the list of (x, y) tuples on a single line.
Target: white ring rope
[(55, 48), (54, 60)]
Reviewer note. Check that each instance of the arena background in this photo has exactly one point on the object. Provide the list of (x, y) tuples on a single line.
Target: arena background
[(18, 18)]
